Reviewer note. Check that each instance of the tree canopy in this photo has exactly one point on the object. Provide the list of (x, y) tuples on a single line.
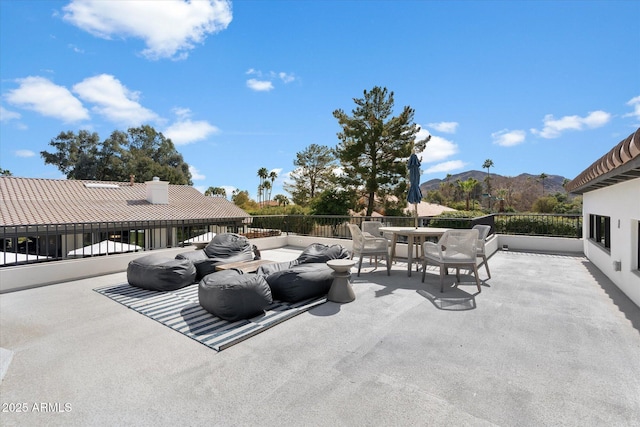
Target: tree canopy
[(313, 173), (332, 202), (142, 152), (215, 192), (374, 147)]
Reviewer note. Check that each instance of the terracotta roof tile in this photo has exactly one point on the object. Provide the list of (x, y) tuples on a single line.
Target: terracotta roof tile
[(31, 201), (622, 163)]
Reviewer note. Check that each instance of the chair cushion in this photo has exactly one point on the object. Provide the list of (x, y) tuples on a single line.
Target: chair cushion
[(158, 273), (231, 295)]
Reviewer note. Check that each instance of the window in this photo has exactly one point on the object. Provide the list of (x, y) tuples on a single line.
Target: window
[(600, 230)]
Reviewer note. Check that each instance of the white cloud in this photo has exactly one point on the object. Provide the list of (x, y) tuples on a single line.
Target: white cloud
[(113, 100), (597, 119), (438, 149), (186, 131), (45, 97), (259, 85), (449, 166), (75, 48), (6, 115), (195, 174), (508, 138), (25, 153), (169, 28), (635, 103), (229, 189), (264, 81), (287, 78), (182, 113), (553, 128), (446, 127)]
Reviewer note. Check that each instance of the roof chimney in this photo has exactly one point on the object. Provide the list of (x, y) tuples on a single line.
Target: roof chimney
[(131, 179), (157, 191)]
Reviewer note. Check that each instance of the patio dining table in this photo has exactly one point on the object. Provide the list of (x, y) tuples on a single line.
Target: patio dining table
[(414, 235)]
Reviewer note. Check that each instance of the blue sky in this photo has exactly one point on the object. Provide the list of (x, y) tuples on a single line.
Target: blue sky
[(536, 86)]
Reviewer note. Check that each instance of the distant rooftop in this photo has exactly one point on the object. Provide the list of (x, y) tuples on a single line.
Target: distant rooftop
[(60, 201)]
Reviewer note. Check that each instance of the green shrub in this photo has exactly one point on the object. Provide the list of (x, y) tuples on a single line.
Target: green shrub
[(455, 219), (299, 224), (556, 226)]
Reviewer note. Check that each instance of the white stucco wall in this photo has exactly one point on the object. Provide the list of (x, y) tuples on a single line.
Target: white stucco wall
[(621, 203)]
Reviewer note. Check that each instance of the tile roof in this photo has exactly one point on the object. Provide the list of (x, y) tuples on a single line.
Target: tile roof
[(622, 163), (31, 201)]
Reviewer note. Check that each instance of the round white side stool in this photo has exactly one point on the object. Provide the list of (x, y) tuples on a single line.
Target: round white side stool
[(341, 290)]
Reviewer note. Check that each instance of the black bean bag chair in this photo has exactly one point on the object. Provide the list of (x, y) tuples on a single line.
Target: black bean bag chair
[(308, 276), (232, 295), (159, 273), (300, 282), (224, 248)]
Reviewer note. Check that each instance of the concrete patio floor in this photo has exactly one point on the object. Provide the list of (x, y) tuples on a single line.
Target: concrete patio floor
[(549, 341)]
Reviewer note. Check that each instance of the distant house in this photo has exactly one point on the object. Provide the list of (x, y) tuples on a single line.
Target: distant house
[(611, 213), (427, 209), (52, 218)]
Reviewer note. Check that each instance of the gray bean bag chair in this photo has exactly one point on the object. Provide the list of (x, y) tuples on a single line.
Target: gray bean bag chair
[(224, 248), (232, 295), (158, 273), (308, 276)]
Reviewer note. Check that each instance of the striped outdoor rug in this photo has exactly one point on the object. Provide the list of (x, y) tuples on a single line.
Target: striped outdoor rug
[(181, 311)]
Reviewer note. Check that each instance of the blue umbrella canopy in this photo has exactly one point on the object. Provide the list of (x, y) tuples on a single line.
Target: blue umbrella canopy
[(415, 195)]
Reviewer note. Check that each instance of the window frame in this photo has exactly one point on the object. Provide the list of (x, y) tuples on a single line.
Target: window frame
[(600, 231)]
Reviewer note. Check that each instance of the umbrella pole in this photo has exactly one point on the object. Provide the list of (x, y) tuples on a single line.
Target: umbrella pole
[(415, 207)]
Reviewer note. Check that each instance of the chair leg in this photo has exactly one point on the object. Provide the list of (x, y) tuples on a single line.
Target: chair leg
[(360, 265), (475, 272), (424, 269), (486, 265), (441, 279), (388, 265)]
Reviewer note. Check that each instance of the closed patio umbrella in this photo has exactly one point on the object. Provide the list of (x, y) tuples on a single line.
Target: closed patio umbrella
[(415, 195)]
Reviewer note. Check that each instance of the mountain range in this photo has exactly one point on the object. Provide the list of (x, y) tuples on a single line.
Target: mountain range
[(552, 183)]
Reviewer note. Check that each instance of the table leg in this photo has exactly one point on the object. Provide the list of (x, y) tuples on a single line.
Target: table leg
[(419, 251), (394, 239), (409, 254)]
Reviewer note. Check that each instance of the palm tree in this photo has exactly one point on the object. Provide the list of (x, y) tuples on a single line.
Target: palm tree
[(266, 186), (467, 188), (272, 176), (281, 199), (216, 191), (260, 190), (488, 164), (263, 174), (542, 177)]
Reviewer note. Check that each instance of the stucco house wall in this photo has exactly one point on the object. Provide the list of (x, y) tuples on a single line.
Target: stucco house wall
[(621, 203)]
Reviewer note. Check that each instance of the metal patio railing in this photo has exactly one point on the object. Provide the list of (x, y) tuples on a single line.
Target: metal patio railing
[(27, 244)]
